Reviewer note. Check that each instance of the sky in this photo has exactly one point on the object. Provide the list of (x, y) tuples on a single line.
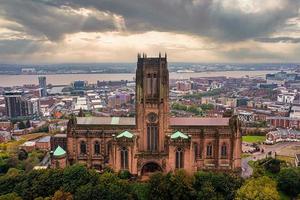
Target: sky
[(62, 31)]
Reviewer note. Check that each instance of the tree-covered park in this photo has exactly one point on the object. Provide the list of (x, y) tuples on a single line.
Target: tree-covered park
[(77, 182)]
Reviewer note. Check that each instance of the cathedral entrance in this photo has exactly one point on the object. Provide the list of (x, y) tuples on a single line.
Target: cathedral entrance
[(150, 168)]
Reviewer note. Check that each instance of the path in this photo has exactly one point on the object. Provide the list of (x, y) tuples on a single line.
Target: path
[(247, 169)]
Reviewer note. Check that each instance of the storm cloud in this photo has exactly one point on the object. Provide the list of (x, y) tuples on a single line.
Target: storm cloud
[(210, 18), (236, 28), (43, 19), (279, 39)]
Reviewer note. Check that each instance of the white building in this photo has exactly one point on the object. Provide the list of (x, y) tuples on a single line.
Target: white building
[(81, 103), (282, 135), (295, 112), (34, 107), (245, 116), (286, 97)]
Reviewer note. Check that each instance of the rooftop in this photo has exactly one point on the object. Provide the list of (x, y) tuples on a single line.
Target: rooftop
[(198, 121), (59, 151), (106, 120), (60, 135), (179, 134), (44, 139), (28, 144), (174, 121), (126, 134)]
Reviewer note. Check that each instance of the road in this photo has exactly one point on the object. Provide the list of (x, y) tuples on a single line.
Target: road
[(247, 169), (46, 160)]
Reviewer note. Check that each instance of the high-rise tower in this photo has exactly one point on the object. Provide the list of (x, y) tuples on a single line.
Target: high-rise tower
[(43, 86), (15, 104)]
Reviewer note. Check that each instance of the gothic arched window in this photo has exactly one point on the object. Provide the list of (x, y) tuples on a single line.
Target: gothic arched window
[(209, 150), (179, 158), (224, 151), (82, 147), (152, 137), (97, 147), (195, 151), (124, 158)]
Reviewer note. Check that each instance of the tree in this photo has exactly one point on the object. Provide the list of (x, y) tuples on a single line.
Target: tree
[(181, 184), (61, 195), (22, 154), (10, 196), (221, 185), (159, 186), (28, 124), (113, 187), (208, 106), (39, 198), (207, 191), (13, 172), (8, 183), (289, 181), (228, 113), (3, 166), (273, 166), (76, 175), (81, 113), (89, 191), (140, 190), (262, 188), (124, 174), (21, 125)]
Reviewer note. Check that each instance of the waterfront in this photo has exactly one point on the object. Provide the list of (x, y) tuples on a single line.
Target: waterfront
[(65, 79)]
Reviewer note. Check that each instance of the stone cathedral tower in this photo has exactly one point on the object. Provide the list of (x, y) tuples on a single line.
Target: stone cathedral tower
[(152, 102)]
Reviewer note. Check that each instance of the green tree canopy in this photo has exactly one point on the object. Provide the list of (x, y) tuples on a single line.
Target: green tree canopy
[(289, 181), (21, 125), (262, 188), (10, 196), (210, 185)]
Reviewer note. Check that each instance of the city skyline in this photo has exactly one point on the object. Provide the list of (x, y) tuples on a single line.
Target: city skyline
[(43, 31)]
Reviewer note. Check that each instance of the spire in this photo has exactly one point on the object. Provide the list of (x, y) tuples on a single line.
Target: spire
[(81, 113)]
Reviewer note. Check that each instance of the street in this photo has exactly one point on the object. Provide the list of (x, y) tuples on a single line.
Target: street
[(247, 169)]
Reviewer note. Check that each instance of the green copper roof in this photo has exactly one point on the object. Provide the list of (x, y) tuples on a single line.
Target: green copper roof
[(126, 134), (178, 134), (115, 120), (59, 151)]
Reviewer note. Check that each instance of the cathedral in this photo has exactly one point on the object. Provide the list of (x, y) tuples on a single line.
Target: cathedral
[(152, 140)]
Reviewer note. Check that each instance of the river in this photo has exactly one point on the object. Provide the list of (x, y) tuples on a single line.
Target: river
[(65, 79)]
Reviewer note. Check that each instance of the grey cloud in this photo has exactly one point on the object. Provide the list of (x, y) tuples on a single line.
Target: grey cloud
[(19, 47), (251, 54), (278, 39), (198, 17), (206, 17), (43, 19)]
